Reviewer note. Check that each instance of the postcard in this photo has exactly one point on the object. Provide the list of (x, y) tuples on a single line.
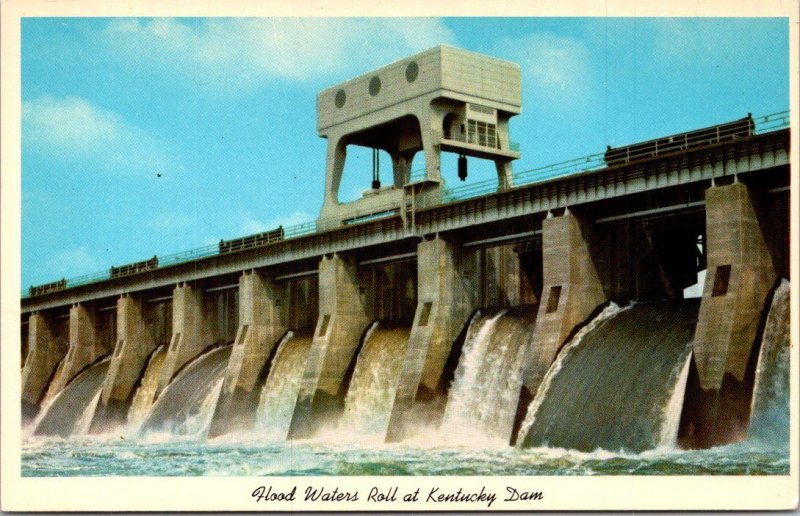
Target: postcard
[(258, 257)]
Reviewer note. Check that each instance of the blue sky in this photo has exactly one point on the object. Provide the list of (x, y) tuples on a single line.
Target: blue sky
[(224, 110)]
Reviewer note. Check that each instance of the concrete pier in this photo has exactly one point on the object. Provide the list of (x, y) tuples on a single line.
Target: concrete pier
[(740, 276), (572, 290), (192, 331), (499, 276), (446, 298), (85, 345), (261, 326), (135, 343), (343, 317), (46, 349)]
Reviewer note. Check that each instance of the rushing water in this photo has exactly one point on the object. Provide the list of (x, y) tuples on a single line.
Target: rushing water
[(186, 405), (369, 400), (146, 392), (614, 386), (282, 386), (67, 411), (51, 388), (769, 419), (485, 391), (625, 413), (92, 456)]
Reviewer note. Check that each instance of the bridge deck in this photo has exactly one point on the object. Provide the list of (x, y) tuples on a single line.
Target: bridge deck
[(694, 166)]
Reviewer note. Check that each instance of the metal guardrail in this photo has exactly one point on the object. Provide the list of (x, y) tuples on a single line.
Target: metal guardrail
[(416, 175), (772, 122), (488, 141), (593, 162)]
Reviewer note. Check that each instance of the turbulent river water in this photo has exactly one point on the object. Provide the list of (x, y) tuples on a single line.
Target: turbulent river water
[(250, 456)]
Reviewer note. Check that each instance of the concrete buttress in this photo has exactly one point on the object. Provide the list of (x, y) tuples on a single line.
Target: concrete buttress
[(135, 343), (740, 276), (260, 328), (343, 317), (191, 331), (45, 352), (572, 290), (446, 298), (85, 345)]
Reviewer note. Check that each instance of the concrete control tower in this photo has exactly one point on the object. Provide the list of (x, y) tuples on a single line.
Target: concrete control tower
[(443, 99)]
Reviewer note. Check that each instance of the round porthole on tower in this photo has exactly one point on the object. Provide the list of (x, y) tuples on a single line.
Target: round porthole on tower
[(341, 98), (412, 71), (374, 85)]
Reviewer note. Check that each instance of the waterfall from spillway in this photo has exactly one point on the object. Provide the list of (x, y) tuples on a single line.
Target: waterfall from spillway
[(280, 390), (85, 420), (671, 418), (64, 414), (769, 417), (483, 397), (368, 403), (51, 388), (185, 407), (146, 392), (616, 386)]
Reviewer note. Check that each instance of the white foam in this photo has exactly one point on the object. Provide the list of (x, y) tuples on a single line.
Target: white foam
[(671, 417), (369, 399), (483, 397), (279, 394)]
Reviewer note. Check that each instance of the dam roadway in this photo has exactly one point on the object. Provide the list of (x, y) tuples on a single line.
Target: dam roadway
[(670, 183)]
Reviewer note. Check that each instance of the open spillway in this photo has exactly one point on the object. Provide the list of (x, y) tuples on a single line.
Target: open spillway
[(483, 397), (372, 389), (280, 390), (146, 392), (64, 416), (769, 418), (186, 405), (617, 386), (51, 392)]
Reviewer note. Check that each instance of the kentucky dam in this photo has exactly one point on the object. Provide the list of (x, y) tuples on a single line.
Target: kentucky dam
[(546, 308)]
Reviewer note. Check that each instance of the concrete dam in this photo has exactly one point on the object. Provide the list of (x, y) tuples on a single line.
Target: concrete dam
[(546, 308)]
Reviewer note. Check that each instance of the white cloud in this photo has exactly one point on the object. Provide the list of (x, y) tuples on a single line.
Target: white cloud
[(555, 69), (244, 52), (252, 225), (72, 129), (67, 262)]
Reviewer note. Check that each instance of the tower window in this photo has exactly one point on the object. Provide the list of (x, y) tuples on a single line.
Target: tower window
[(481, 133), (412, 71), (341, 98), (374, 85)]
